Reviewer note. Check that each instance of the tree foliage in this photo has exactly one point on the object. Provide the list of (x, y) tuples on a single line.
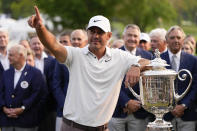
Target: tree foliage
[(5, 6), (17, 8), (75, 13), (147, 13), (22, 8), (187, 9)]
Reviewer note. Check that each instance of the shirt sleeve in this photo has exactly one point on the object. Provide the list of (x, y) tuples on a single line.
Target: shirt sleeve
[(130, 59), (69, 58)]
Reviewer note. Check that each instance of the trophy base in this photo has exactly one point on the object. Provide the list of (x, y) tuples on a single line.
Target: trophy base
[(159, 126)]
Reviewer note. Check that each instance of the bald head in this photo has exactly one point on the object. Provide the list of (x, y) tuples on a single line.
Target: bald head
[(79, 38)]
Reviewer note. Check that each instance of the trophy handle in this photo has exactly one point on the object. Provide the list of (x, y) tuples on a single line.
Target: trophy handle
[(134, 93), (183, 78)]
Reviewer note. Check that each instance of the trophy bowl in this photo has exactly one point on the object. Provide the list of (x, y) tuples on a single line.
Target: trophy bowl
[(157, 92)]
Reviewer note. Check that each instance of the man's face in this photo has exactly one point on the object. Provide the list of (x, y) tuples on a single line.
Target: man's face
[(192, 40), (3, 40), (144, 45), (25, 44), (175, 41), (78, 39), (30, 60), (65, 40), (14, 57), (131, 38), (97, 38), (36, 46), (157, 43)]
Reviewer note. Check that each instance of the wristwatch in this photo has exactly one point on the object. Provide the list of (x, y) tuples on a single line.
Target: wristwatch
[(23, 107), (184, 106)]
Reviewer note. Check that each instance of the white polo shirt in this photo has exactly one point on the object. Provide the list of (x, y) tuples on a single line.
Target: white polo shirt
[(94, 85)]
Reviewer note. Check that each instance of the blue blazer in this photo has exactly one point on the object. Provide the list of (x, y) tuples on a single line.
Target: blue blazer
[(49, 66), (188, 62), (1, 70), (31, 96), (126, 95), (60, 85)]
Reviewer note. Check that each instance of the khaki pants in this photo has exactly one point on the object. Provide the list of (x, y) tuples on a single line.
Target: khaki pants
[(180, 125), (133, 123)]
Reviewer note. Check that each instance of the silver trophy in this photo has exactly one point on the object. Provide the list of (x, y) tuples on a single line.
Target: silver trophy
[(157, 91)]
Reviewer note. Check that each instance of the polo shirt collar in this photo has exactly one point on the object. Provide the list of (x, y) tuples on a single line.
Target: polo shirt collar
[(86, 51)]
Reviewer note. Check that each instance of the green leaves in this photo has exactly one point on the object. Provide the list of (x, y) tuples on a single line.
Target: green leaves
[(76, 13)]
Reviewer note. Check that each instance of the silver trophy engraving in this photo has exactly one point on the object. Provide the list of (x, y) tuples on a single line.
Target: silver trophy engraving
[(157, 91)]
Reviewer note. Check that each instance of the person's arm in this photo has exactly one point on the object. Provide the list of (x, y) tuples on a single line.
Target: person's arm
[(133, 74), (143, 63), (47, 38)]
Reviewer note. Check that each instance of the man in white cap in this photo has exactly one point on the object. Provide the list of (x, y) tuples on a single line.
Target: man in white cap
[(144, 41), (95, 74)]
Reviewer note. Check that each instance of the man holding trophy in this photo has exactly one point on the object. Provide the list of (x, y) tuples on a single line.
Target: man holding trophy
[(183, 115), (169, 89)]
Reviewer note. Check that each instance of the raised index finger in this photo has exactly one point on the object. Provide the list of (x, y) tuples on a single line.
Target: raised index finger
[(37, 12)]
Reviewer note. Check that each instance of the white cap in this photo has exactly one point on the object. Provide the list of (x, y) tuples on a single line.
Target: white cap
[(101, 22), (145, 37)]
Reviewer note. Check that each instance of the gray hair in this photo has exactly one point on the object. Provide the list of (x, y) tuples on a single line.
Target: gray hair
[(19, 49), (131, 26), (175, 27), (3, 30), (159, 33)]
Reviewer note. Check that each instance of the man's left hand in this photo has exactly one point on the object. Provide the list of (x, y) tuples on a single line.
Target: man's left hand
[(132, 76), (178, 111), (17, 111)]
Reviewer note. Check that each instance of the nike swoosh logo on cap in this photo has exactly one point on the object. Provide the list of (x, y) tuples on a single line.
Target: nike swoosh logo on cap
[(96, 20)]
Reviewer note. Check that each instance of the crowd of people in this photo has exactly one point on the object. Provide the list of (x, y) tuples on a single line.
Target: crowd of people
[(79, 81)]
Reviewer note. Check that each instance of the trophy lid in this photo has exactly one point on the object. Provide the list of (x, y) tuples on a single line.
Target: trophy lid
[(158, 67)]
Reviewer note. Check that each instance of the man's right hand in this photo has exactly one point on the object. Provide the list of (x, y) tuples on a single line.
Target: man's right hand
[(9, 112), (35, 21), (133, 105)]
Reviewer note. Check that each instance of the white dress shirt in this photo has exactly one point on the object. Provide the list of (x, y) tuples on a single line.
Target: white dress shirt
[(177, 58), (39, 63), (133, 52), (17, 75)]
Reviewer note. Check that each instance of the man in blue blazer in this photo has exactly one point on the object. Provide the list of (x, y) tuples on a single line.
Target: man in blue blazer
[(21, 93), (46, 65), (183, 116), (128, 109), (4, 40)]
